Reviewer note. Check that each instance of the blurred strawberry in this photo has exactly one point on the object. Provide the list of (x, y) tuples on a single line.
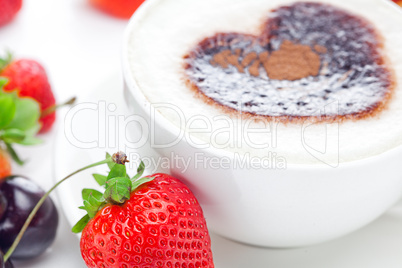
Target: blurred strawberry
[(19, 124), (30, 79), (399, 2), (8, 9), (5, 166), (119, 8)]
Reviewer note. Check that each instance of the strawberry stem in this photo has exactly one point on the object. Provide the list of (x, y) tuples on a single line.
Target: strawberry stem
[(40, 202), (53, 108)]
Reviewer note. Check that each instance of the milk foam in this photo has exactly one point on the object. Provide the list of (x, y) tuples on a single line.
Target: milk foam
[(169, 29)]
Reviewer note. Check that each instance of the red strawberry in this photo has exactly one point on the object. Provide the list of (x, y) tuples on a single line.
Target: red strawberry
[(30, 78), (119, 8), (157, 224), (399, 2), (5, 166), (8, 9)]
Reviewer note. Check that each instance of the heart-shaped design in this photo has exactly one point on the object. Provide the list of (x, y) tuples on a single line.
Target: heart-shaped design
[(308, 56)]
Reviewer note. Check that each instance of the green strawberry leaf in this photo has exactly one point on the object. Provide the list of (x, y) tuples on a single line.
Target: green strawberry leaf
[(14, 154), (12, 135), (139, 182), (30, 140), (111, 164), (140, 171), (88, 193), (7, 110), (118, 190), (91, 208), (100, 179), (19, 120), (117, 171), (93, 200), (80, 225), (33, 130), (27, 114), (3, 82)]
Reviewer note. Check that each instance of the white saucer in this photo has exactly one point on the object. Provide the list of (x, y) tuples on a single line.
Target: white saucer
[(377, 245)]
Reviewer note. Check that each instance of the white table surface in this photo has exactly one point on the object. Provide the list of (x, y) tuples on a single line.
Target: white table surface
[(80, 47)]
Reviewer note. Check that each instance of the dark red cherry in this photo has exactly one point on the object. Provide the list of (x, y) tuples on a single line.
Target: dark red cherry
[(22, 195), (3, 206)]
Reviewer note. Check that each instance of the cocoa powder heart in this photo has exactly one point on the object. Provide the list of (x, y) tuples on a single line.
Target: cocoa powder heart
[(308, 57)]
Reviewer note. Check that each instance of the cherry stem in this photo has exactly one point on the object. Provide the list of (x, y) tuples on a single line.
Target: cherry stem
[(40, 202), (53, 108)]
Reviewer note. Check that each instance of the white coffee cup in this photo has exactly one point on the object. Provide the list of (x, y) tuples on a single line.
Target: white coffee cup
[(286, 204)]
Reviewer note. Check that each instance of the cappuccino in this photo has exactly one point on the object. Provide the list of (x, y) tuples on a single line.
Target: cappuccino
[(310, 82)]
